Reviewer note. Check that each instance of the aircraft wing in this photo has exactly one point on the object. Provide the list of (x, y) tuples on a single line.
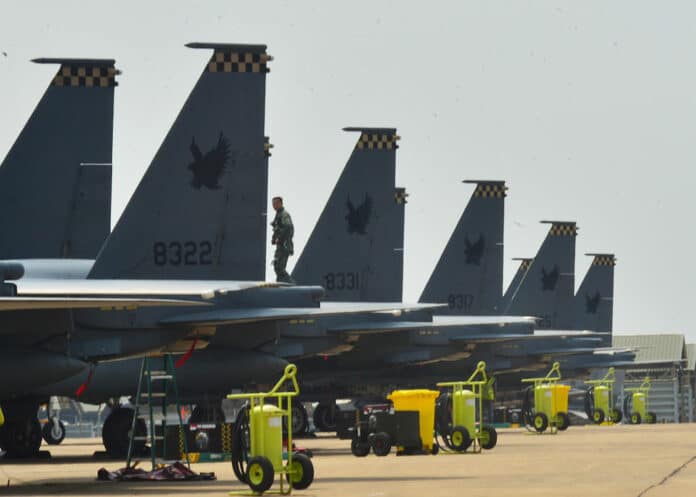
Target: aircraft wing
[(373, 328), (220, 317), (483, 320), (570, 333), (46, 303), (613, 350), (385, 307), (157, 288), (529, 336), (564, 351), (647, 364)]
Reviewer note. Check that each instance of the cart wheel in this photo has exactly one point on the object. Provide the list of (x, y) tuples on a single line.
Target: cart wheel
[(635, 418), (562, 421), (381, 444), (436, 448), (598, 416), (489, 437), (359, 448), (260, 474), (301, 473), (616, 415), (651, 418), (541, 422), (460, 438)]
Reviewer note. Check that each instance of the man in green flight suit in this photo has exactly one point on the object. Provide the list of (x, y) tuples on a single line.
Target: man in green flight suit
[(283, 232)]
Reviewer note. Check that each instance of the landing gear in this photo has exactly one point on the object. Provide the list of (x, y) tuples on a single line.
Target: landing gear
[(325, 416), (53, 432), (21, 437), (116, 432), (300, 420)]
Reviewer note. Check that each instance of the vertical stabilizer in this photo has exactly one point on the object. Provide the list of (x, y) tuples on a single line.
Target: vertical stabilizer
[(594, 301), (43, 173), (469, 274), (356, 248), (199, 211), (520, 275), (548, 289)]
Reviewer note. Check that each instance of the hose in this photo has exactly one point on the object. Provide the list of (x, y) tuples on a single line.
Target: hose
[(241, 444), (589, 402), (527, 408), (443, 420), (627, 401)]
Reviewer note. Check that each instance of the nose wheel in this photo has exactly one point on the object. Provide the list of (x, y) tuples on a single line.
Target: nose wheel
[(53, 432)]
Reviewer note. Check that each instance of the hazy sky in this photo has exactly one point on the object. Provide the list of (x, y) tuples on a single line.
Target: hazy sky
[(586, 109)]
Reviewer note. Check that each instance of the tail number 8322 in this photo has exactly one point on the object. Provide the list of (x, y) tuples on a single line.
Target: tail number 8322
[(182, 253)]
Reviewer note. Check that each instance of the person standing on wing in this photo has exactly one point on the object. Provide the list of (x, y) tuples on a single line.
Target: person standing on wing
[(283, 232)]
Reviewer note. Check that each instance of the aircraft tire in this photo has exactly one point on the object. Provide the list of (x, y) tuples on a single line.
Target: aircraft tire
[(116, 432), (53, 433), (21, 437)]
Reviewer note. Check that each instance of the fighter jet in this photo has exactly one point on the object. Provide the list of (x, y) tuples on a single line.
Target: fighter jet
[(369, 266), (544, 287), (196, 218), (468, 278)]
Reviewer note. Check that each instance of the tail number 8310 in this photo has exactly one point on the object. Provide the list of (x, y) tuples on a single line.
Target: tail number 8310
[(182, 253)]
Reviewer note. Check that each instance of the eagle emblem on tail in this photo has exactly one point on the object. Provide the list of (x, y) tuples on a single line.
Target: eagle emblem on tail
[(207, 168), (592, 303), (549, 279), (474, 251), (359, 217)]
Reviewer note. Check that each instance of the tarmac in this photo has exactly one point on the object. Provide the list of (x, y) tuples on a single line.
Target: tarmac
[(616, 461)]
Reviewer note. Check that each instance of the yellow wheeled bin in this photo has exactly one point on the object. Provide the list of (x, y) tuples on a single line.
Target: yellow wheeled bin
[(467, 428), (257, 461), (639, 399), (599, 400), (423, 402), (560, 399), (550, 402)]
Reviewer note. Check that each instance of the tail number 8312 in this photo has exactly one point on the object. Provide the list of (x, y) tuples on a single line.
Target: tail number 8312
[(182, 253)]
